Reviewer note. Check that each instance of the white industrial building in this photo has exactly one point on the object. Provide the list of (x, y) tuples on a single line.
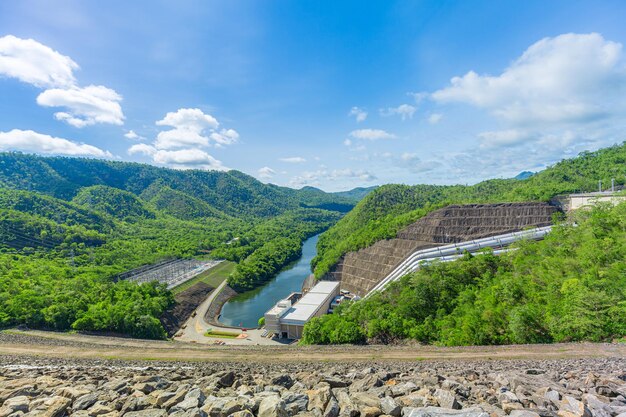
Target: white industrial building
[(288, 317)]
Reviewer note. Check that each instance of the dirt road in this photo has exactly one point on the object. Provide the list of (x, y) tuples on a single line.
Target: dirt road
[(63, 345)]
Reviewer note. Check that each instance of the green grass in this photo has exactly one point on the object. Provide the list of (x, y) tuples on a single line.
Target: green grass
[(216, 333), (213, 277)]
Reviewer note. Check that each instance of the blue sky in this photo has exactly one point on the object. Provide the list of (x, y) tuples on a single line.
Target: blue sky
[(329, 94)]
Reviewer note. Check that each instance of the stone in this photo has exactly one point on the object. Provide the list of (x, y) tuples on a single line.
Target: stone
[(72, 392), (178, 397), (318, 398), (508, 407), (295, 402), (365, 399), (370, 412), (85, 401), (443, 412), (14, 405), (446, 399), (56, 406), (164, 396), (346, 405), (596, 406), (243, 413), (335, 382), (390, 407), (144, 387), (571, 407), (332, 409), (272, 407), (152, 412), (366, 383), (524, 413), (100, 409), (226, 379), (283, 380)]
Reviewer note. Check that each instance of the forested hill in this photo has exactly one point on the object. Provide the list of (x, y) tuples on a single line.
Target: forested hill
[(68, 225), (389, 208), (231, 193)]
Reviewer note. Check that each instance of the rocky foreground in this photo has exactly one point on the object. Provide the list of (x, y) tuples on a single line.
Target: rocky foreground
[(519, 388)]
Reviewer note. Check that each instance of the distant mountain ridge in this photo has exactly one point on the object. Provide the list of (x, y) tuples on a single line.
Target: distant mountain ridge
[(231, 193)]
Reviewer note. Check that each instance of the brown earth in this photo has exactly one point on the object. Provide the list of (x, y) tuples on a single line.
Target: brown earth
[(360, 271), (64, 345), (186, 302)]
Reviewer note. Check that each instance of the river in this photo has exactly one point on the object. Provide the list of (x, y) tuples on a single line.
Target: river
[(246, 309)]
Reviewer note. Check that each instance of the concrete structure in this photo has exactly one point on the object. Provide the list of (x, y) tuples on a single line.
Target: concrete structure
[(361, 271), (577, 201), (287, 318)]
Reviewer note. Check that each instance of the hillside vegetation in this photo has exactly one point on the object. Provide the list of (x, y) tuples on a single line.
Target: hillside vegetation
[(569, 287), (384, 211), (68, 225)]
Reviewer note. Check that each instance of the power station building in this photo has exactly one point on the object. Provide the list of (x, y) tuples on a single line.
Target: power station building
[(288, 317)]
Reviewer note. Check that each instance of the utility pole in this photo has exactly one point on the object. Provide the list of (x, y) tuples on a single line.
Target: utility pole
[(612, 185), (599, 186)]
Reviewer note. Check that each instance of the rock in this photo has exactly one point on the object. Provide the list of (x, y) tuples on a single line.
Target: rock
[(318, 398), (335, 382), (332, 409), (443, 412), (295, 402), (272, 407), (100, 409), (390, 407), (14, 405), (370, 412), (524, 413), (178, 397), (55, 406), (403, 389), (72, 392), (283, 380), (84, 402), (243, 413), (571, 407), (597, 407), (153, 412), (226, 379), (164, 396), (446, 399), (365, 399), (366, 383), (346, 405)]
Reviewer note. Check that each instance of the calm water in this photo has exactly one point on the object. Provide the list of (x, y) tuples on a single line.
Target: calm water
[(246, 309)]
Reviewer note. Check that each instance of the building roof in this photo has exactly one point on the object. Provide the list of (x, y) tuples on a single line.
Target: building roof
[(306, 307)]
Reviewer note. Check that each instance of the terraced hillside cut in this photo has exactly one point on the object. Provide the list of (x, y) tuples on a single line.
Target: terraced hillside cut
[(360, 271)]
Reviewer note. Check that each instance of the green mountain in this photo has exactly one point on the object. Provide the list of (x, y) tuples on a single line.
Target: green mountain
[(389, 208), (68, 225)]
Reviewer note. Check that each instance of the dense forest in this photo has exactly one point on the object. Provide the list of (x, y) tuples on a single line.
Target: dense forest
[(387, 209), (569, 287), (68, 225)]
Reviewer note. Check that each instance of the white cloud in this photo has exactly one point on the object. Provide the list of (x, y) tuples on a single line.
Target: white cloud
[(371, 134), (413, 163), (192, 119), (188, 159), (133, 136), (316, 178), (30, 141), (142, 148), (347, 142), (182, 147), (192, 127), (405, 111), (510, 137), (435, 118), (419, 97), (34, 63), (224, 137), (266, 173), (31, 62), (571, 78), (293, 160), (85, 106), (359, 114)]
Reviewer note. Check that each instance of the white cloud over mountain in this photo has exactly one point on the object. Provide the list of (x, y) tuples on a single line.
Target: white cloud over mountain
[(184, 146), (293, 160), (30, 141), (266, 173), (405, 111)]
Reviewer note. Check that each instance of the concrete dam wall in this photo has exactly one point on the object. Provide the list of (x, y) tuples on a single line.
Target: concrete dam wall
[(360, 271)]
